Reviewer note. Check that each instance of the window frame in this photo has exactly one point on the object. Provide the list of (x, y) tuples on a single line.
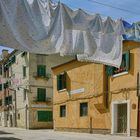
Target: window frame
[(24, 71), (82, 112), (62, 112), (110, 70), (62, 81), (24, 95)]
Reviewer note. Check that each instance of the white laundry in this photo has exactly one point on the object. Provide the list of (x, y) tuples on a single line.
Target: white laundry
[(42, 27)]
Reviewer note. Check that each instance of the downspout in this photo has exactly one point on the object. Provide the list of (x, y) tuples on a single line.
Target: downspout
[(138, 114), (15, 108), (26, 117), (106, 88)]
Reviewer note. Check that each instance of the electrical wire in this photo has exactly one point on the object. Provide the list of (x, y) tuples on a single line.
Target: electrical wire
[(114, 7)]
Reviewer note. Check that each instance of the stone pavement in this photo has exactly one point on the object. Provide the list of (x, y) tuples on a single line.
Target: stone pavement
[(22, 134)]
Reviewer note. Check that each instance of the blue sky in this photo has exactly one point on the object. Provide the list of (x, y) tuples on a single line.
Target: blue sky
[(1, 48), (129, 5)]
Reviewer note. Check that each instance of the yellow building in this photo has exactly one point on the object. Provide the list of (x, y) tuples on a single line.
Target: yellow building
[(94, 98)]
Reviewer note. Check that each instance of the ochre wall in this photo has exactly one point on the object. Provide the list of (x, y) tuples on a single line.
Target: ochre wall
[(124, 87), (81, 75), (92, 77)]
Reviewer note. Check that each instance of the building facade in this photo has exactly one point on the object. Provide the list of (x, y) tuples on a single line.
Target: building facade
[(96, 98), (27, 96)]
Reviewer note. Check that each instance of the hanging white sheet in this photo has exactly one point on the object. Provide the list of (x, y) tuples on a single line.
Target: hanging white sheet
[(40, 26)]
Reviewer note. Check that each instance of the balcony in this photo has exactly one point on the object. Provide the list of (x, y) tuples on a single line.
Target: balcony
[(47, 100), (46, 76)]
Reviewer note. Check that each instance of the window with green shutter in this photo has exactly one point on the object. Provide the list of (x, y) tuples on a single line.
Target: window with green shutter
[(83, 109), (24, 71), (12, 59), (8, 100), (125, 65), (1, 102), (41, 94), (45, 116), (41, 70), (62, 110), (0, 87), (61, 81), (0, 70), (6, 85)]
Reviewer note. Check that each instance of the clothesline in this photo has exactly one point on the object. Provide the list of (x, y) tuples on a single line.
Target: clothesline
[(46, 28)]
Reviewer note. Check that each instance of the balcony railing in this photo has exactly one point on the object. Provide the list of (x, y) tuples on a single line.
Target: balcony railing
[(46, 76), (47, 100)]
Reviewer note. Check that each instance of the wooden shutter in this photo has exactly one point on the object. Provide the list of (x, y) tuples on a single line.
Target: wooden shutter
[(13, 59), (65, 80), (5, 85), (0, 87), (127, 55), (109, 70), (41, 94), (49, 116), (10, 100), (24, 71), (41, 70), (45, 116), (58, 82)]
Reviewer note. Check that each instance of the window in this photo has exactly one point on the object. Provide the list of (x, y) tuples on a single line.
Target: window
[(45, 116), (6, 85), (63, 111), (125, 65), (18, 116), (61, 81), (0, 87), (24, 71), (24, 94), (41, 94), (23, 54), (83, 109), (0, 70), (8, 100), (41, 70), (1, 102)]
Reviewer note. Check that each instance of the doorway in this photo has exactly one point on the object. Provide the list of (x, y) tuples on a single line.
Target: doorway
[(121, 117)]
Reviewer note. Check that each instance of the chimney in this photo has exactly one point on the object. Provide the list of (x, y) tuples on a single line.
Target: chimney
[(4, 53)]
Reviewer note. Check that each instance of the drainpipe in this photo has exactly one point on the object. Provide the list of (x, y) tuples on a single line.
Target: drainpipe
[(138, 114), (106, 88), (26, 117), (15, 108)]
